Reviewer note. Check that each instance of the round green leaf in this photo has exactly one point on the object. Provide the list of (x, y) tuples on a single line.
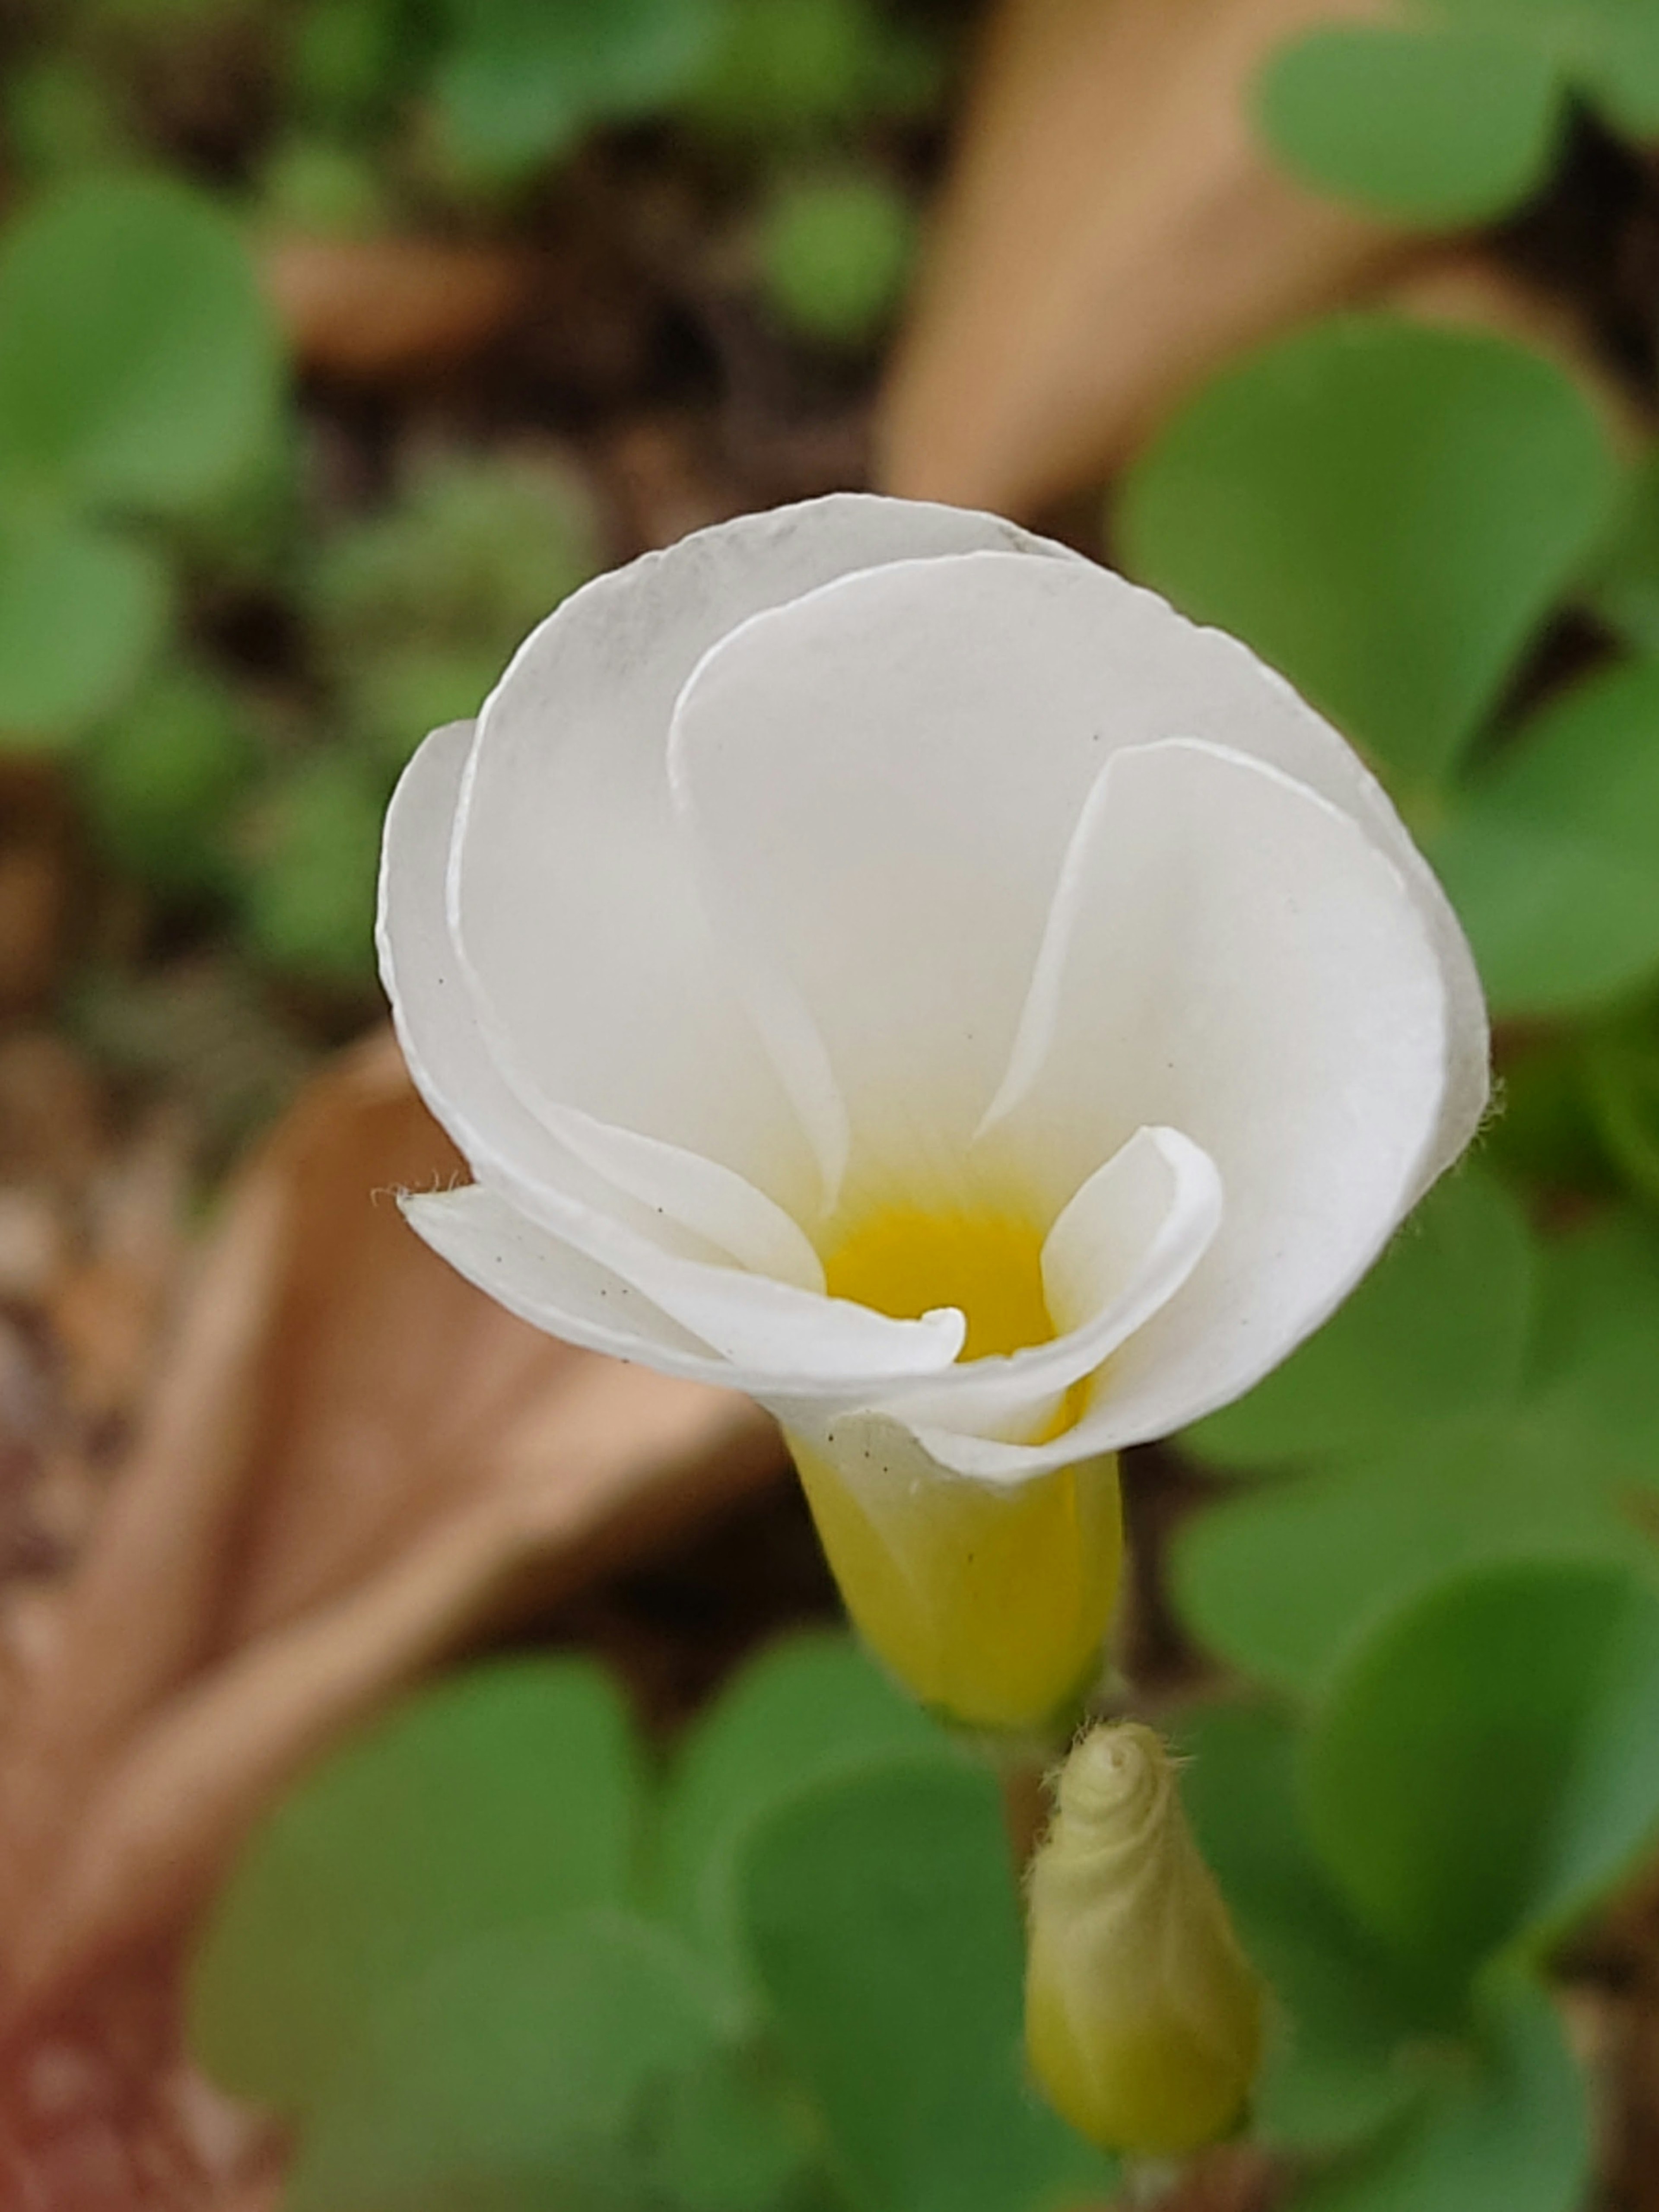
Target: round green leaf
[(81, 611), (1487, 1763), (883, 1917), (1505, 2128), (1386, 511), (810, 1706), (1284, 1582), (525, 2068), (1549, 854), (834, 254), (1431, 127), (524, 77), (160, 777), (308, 892), (1615, 60), (138, 361), (508, 1797), (1436, 1331), (1339, 2066)]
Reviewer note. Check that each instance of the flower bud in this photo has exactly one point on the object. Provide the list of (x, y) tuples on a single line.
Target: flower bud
[(1143, 2016)]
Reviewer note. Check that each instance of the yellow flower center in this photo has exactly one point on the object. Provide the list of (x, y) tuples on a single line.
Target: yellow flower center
[(904, 1262)]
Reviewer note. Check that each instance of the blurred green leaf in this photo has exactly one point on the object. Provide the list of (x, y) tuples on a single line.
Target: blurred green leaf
[(391, 700), (1593, 1388), (1435, 1331), (470, 555), (326, 191), (1548, 853), (1432, 126), (529, 2067), (523, 78), (1506, 2128), (1453, 113), (812, 1705), (1337, 2065), (835, 252), (1283, 1582), (1486, 1763), (350, 60), (1622, 582), (799, 71), (81, 611), (880, 1910), (59, 118), (1623, 1092), (307, 881), (505, 1799), (1386, 511), (159, 779), (138, 360)]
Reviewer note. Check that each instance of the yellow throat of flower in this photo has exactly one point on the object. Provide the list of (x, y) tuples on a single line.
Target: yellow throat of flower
[(904, 1262), (990, 1602)]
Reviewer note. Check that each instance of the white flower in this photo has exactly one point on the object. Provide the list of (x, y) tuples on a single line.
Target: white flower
[(875, 959)]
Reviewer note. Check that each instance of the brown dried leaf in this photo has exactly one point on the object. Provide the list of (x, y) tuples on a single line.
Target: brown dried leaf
[(354, 1461), (376, 309), (1112, 231)]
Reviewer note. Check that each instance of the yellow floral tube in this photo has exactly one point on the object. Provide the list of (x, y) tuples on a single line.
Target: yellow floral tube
[(1143, 2016), (990, 1602)]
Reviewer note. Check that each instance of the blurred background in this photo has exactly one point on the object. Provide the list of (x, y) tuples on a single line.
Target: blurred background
[(338, 343)]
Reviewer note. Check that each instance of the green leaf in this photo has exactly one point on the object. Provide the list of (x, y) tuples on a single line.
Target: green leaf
[(1337, 2066), (81, 611), (138, 360), (160, 777), (1506, 2129), (1593, 1390), (791, 72), (508, 1797), (1614, 58), (1486, 1764), (1435, 127), (1622, 582), (883, 1915), (811, 1706), (307, 890), (524, 78), (834, 254), (1436, 1331), (532, 2067), (1386, 511), (1283, 1582), (473, 553), (1548, 854)]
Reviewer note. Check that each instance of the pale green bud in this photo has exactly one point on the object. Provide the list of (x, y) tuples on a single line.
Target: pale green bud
[(1143, 2016)]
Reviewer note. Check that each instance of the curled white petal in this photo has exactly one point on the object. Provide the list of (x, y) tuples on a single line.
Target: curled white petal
[(1117, 1255), (779, 1344), (1230, 954)]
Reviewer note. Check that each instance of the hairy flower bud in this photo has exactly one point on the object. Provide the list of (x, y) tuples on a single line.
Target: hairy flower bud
[(1143, 2016)]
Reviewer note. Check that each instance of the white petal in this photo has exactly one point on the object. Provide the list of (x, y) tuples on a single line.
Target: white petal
[(550, 1284), (1117, 1255), (523, 1153), (775, 1342), (1232, 956), (881, 780), (583, 939), (431, 1007)]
